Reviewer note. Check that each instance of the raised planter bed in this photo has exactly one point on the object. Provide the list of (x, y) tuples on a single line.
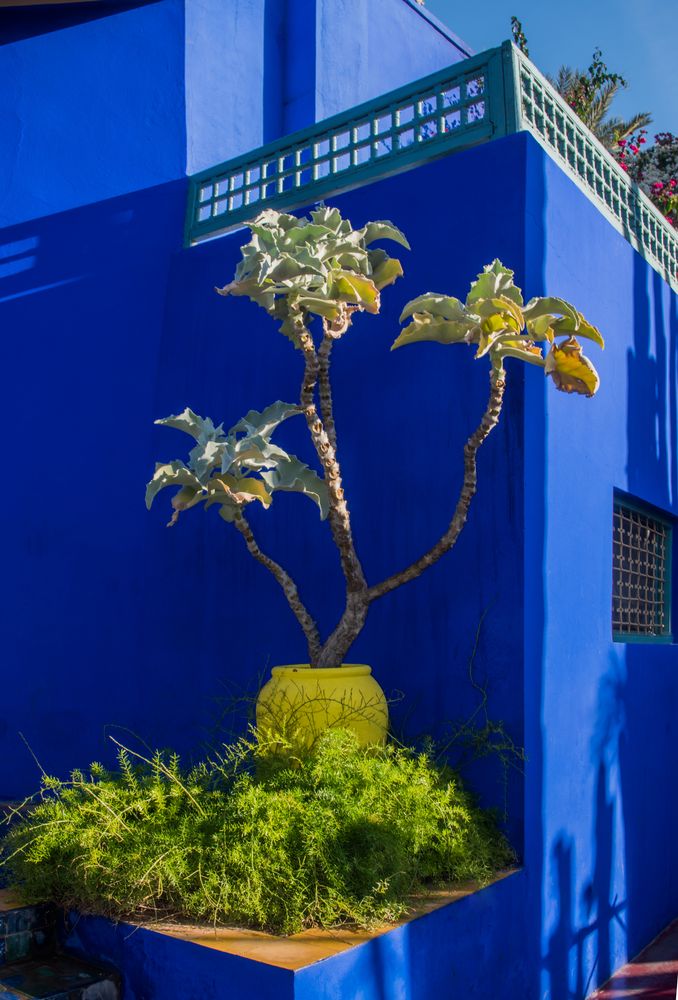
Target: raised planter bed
[(443, 950)]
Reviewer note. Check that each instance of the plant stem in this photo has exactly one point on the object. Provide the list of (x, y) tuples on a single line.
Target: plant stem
[(487, 424), (339, 517), (289, 588), (325, 388)]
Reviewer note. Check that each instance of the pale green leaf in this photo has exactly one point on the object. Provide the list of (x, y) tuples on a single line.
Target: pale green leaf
[(206, 456), (387, 272), (354, 288), (263, 423), (294, 476), (200, 428), (502, 311), (582, 328), (383, 231), (427, 327), (226, 489), (443, 306), (508, 346), (493, 281), (328, 308), (548, 305), (170, 474)]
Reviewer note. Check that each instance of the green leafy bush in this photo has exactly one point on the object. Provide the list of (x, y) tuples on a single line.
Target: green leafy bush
[(263, 836)]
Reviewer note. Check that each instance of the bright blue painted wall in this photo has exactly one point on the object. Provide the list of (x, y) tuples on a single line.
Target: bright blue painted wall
[(601, 809), (437, 955), (100, 101), (366, 48), (109, 619), (342, 53), (470, 948), (92, 105), (148, 628), (232, 78), (157, 967)]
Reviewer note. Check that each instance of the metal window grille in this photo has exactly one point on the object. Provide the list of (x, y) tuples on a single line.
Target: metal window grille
[(641, 574)]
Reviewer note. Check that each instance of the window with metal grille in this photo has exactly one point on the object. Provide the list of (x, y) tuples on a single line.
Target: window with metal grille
[(641, 585)]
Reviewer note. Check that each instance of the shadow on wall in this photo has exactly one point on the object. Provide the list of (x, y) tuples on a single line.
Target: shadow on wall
[(648, 747), (580, 952), (82, 298), (17, 24), (113, 619), (632, 891)]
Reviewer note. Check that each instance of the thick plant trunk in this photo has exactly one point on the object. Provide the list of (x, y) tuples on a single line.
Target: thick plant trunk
[(487, 424), (325, 389), (339, 518), (347, 631)]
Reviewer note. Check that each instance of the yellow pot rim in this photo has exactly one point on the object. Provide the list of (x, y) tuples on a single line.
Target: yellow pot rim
[(305, 670)]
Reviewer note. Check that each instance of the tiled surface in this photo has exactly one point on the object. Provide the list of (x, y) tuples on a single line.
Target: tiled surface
[(310, 946), (29, 969), (25, 931), (652, 975), (59, 978)]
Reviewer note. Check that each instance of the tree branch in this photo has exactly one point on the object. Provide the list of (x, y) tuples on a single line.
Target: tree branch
[(289, 588), (487, 424)]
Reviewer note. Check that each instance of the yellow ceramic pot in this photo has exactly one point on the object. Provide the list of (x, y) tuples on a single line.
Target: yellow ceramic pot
[(301, 702)]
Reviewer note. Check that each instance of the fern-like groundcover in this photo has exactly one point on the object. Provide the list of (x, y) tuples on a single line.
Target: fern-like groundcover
[(260, 836)]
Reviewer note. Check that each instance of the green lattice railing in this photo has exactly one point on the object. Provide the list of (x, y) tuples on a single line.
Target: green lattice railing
[(449, 110), (546, 115), (493, 94)]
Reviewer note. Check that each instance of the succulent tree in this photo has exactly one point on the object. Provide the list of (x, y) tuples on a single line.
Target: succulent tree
[(312, 275)]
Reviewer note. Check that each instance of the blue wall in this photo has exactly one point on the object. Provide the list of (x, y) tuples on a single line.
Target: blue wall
[(364, 49), (470, 948), (109, 619), (601, 809), (92, 105), (150, 629), (155, 966), (103, 100)]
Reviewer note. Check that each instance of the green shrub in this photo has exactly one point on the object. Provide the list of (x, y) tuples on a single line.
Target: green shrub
[(273, 839)]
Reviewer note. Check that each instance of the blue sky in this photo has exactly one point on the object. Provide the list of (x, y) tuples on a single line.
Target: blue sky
[(639, 39)]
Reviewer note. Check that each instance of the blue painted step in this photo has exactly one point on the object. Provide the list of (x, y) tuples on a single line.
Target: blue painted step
[(31, 967), (58, 978), (25, 931)]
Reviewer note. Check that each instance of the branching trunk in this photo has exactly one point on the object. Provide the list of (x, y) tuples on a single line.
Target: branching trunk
[(468, 489), (347, 631), (323, 434), (289, 588)]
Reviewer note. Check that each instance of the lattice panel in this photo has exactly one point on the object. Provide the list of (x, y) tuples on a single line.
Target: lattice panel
[(641, 574), (550, 119), (488, 96), (413, 124)]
